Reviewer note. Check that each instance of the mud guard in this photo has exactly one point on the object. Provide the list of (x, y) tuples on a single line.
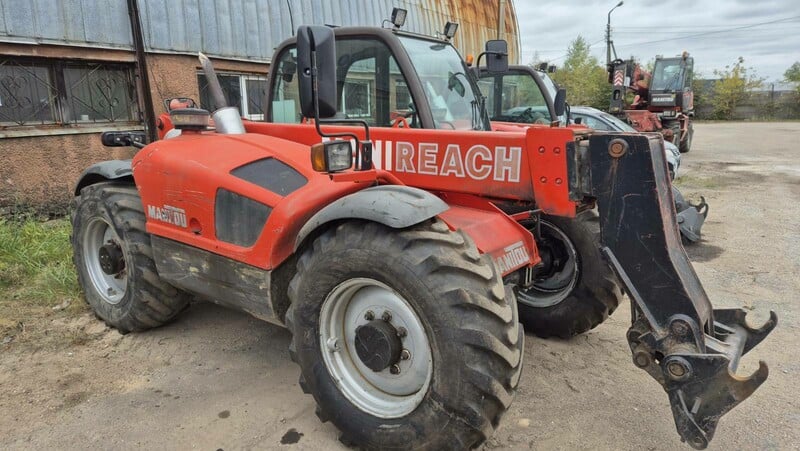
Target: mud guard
[(691, 349), (103, 171), (391, 205)]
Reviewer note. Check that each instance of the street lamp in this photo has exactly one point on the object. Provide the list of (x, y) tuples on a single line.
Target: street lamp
[(608, 35)]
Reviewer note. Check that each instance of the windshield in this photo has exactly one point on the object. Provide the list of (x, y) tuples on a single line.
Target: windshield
[(669, 74), (447, 84)]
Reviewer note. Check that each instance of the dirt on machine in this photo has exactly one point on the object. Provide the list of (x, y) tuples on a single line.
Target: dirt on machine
[(405, 244)]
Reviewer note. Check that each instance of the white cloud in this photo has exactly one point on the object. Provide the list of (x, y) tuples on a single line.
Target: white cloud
[(548, 27)]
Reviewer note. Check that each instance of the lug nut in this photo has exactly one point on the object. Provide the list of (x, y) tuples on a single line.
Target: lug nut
[(333, 344), (401, 332), (395, 369), (386, 316), (405, 354), (369, 316)]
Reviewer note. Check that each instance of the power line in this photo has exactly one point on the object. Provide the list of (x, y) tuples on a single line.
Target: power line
[(649, 28), (742, 27)]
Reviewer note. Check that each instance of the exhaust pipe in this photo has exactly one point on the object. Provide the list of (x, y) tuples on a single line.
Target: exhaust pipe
[(227, 119)]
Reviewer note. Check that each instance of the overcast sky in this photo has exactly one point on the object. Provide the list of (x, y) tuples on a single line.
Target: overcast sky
[(548, 26)]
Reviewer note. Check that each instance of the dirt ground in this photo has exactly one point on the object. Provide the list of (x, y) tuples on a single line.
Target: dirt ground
[(216, 379)]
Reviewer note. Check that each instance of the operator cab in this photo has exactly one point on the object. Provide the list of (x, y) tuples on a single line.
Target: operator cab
[(380, 83), (521, 94), (671, 84)]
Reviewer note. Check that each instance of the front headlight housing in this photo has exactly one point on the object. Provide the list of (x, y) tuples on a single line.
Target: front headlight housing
[(332, 156)]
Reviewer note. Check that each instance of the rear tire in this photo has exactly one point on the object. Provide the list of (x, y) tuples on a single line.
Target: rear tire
[(676, 134), (134, 298), (579, 296), (467, 317)]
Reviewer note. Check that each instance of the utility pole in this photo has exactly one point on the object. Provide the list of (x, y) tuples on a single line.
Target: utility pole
[(609, 42)]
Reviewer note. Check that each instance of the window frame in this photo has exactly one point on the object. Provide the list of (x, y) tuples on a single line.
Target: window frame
[(64, 121), (244, 77)]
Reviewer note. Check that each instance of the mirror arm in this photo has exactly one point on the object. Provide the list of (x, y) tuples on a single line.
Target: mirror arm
[(318, 122)]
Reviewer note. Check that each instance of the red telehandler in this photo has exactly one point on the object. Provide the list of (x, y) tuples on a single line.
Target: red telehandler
[(662, 101), (387, 227)]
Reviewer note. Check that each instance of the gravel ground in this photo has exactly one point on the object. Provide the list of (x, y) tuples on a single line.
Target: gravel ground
[(216, 379)]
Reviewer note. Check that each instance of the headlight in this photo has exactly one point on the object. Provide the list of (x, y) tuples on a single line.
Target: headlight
[(332, 156)]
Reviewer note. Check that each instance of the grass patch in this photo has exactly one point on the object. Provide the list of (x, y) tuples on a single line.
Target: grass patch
[(36, 273)]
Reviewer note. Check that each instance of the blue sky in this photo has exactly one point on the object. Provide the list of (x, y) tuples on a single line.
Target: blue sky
[(715, 32)]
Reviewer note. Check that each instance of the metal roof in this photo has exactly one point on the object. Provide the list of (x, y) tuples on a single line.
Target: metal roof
[(238, 29)]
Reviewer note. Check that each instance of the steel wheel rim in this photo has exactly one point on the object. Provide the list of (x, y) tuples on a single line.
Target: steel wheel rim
[(556, 288), (381, 394), (110, 288)]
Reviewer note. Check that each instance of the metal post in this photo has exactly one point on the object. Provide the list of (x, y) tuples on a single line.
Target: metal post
[(141, 64), (608, 35), (501, 19)]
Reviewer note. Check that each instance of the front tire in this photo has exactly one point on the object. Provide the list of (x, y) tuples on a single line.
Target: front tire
[(579, 290), (686, 144), (444, 301), (114, 260)]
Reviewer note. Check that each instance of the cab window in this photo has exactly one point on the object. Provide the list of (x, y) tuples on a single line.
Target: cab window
[(514, 98), (370, 83)]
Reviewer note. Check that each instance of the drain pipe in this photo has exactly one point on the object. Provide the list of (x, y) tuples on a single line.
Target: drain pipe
[(141, 64), (501, 19), (227, 119)]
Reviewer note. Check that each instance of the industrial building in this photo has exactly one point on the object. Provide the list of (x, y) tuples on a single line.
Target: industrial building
[(70, 70)]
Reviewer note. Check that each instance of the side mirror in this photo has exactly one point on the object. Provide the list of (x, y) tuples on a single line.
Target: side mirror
[(316, 71), (123, 139), (560, 102), (579, 120), (178, 103), (497, 56)]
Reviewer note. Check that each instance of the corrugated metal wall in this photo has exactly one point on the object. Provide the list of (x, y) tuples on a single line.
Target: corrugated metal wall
[(238, 29)]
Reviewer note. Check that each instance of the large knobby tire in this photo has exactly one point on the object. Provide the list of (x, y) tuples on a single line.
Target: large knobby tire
[(133, 298), (686, 144), (579, 292), (676, 134), (451, 304)]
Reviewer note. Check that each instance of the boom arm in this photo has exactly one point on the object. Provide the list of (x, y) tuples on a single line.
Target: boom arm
[(691, 349)]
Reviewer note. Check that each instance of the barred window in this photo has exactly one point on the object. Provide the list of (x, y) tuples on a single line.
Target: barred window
[(55, 92), (27, 94)]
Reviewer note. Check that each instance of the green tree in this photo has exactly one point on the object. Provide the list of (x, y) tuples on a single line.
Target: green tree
[(793, 72), (732, 88), (583, 76), (701, 94)]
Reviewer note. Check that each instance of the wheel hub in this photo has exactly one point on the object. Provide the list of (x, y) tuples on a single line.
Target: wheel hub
[(111, 258), (378, 345)]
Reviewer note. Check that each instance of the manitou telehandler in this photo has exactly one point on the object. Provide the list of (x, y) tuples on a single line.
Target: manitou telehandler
[(388, 229), (662, 101)]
